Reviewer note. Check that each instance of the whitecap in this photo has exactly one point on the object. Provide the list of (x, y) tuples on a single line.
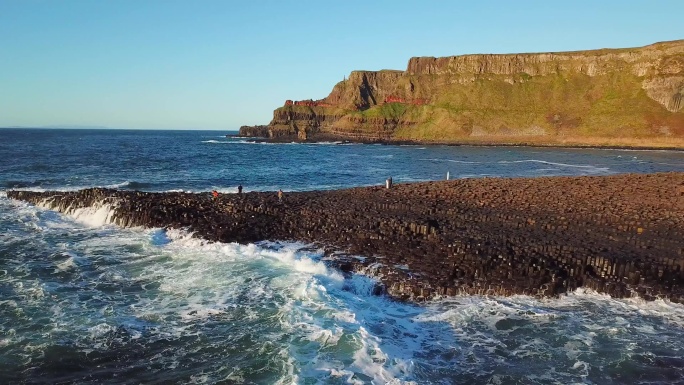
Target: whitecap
[(451, 161), (65, 265), (590, 168)]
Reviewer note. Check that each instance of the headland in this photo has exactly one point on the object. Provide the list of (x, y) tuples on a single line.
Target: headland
[(627, 97), (622, 235)]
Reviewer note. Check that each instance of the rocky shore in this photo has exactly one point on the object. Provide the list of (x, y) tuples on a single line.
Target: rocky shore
[(258, 131), (622, 235)]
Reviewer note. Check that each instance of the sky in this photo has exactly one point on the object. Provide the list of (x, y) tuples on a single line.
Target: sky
[(203, 64)]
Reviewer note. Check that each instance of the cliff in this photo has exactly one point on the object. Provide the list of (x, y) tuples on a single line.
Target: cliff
[(629, 96), (258, 131)]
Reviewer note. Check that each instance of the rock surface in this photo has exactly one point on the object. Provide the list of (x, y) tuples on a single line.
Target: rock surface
[(630, 96), (258, 131), (621, 235)]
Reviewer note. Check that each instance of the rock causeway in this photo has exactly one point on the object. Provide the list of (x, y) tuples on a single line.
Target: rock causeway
[(622, 235)]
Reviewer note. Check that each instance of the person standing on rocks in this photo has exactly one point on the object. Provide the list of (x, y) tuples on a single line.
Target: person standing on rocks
[(240, 189), (280, 196)]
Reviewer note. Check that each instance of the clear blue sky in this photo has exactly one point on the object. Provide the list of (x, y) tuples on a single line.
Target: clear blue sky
[(221, 64)]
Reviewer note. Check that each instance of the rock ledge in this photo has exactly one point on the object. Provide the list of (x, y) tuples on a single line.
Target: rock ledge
[(621, 235)]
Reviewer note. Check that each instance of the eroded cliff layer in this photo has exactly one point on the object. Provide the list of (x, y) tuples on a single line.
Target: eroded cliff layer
[(611, 96), (620, 235)]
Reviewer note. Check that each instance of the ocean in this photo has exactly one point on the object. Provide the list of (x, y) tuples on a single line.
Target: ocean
[(86, 302)]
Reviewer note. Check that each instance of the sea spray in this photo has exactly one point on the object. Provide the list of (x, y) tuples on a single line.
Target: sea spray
[(282, 316), (103, 304)]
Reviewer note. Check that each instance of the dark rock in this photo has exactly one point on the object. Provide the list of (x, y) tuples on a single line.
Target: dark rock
[(259, 131), (621, 235)]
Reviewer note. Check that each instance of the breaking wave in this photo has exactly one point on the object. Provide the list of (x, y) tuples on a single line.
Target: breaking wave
[(165, 300)]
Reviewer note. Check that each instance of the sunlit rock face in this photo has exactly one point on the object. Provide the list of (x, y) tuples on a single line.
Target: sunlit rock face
[(580, 97)]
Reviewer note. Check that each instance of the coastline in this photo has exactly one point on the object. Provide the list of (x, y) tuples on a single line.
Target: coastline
[(647, 147), (622, 235)]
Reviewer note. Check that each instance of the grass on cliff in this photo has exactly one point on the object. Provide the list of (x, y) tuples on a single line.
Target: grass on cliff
[(392, 111), (576, 105), (488, 107)]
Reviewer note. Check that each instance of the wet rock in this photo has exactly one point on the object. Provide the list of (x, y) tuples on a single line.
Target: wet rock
[(621, 235)]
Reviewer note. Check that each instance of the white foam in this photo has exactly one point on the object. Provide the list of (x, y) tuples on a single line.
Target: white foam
[(302, 263), (98, 215), (325, 143), (361, 285), (451, 160), (318, 326), (368, 354), (100, 330), (65, 265), (591, 168), (197, 313), (53, 188), (120, 185), (263, 143), (583, 367), (94, 216)]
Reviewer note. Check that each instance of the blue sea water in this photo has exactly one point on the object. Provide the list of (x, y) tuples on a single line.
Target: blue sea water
[(83, 301)]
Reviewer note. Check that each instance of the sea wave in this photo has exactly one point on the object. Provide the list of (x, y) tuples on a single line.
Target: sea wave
[(28, 184), (50, 188), (583, 166), (97, 215), (20, 184), (131, 185), (451, 161), (173, 299)]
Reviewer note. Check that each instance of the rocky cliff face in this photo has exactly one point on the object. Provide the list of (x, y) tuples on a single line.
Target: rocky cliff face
[(364, 89), (620, 96), (258, 131)]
